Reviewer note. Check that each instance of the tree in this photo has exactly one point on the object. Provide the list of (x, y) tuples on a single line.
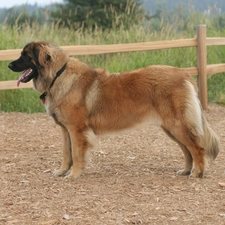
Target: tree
[(24, 14), (99, 13)]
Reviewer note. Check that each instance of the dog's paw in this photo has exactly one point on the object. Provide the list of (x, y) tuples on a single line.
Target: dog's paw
[(183, 172), (60, 173), (196, 175), (73, 175)]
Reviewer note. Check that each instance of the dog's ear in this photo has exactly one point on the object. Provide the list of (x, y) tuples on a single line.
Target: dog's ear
[(41, 55), (36, 57), (44, 55)]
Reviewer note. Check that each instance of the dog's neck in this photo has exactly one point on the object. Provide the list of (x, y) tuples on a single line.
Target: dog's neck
[(43, 95), (58, 74)]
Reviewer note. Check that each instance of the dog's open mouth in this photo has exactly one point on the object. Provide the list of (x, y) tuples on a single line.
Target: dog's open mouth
[(26, 76)]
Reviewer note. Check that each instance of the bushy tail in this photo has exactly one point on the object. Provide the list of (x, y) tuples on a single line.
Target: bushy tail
[(209, 140), (199, 125)]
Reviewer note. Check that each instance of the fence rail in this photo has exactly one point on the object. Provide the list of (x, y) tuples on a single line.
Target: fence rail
[(200, 42)]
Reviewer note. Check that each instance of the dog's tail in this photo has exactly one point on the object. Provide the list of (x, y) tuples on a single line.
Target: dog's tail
[(199, 125), (209, 140)]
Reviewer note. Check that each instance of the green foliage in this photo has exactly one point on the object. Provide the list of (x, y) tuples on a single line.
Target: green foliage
[(22, 100), (24, 14), (107, 14), (216, 87), (184, 16)]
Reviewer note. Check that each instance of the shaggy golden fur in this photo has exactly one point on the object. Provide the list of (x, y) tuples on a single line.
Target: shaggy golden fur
[(87, 101)]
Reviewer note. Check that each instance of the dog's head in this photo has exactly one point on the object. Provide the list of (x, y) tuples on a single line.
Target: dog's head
[(37, 62)]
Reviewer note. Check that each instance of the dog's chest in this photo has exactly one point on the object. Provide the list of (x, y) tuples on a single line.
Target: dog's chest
[(50, 109), (47, 107)]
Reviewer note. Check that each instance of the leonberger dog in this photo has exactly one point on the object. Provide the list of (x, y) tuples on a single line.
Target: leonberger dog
[(86, 101)]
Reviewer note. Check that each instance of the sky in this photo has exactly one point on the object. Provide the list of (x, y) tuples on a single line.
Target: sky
[(11, 3)]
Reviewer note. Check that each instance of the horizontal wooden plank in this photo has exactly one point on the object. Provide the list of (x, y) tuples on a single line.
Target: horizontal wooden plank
[(215, 41), (12, 84), (211, 69), (12, 54), (215, 68), (130, 47), (191, 70), (9, 54)]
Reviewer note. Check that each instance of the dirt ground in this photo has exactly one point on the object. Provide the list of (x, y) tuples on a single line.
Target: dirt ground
[(130, 179)]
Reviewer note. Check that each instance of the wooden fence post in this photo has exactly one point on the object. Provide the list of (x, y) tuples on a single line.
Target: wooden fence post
[(202, 65)]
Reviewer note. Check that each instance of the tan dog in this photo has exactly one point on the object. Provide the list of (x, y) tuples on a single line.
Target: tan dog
[(87, 101)]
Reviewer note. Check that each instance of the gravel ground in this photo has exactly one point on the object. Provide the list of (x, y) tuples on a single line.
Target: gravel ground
[(130, 179)]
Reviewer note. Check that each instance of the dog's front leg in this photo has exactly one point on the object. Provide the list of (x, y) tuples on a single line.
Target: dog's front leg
[(81, 140), (67, 155)]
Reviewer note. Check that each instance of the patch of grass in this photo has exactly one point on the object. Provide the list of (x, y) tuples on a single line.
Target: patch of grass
[(216, 88), (22, 100), (27, 100)]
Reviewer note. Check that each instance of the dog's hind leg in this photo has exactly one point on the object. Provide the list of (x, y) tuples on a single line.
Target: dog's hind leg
[(67, 155), (188, 161), (187, 137)]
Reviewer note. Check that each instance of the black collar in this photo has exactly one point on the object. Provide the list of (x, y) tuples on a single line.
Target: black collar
[(43, 95)]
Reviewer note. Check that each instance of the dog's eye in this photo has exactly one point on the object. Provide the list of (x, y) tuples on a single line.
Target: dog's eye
[(26, 57), (47, 57)]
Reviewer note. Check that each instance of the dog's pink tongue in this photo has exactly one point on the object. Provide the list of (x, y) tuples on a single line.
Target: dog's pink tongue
[(24, 74)]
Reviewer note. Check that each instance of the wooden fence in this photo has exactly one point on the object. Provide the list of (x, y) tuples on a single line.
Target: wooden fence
[(200, 42)]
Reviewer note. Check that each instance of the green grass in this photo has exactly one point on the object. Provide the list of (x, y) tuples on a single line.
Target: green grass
[(27, 100)]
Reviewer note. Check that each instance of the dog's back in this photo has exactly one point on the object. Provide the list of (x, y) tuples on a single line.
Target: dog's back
[(154, 93)]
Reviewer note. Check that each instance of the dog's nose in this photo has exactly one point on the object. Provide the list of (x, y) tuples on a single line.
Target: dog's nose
[(10, 65)]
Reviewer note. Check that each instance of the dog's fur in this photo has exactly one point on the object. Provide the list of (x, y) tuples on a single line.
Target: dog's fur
[(87, 101)]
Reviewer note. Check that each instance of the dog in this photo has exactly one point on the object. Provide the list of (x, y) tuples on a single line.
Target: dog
[(86, 101)]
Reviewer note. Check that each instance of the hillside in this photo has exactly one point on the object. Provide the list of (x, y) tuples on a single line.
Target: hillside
[(200, 6)]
